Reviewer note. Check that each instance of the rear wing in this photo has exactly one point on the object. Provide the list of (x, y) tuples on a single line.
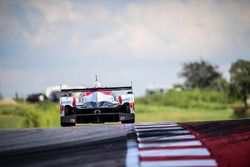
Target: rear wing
[(97, 89)]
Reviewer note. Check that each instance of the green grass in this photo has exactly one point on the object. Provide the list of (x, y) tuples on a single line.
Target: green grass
[(10, 121), (195, 98), (25, 115), (154, 113), (186, 105)]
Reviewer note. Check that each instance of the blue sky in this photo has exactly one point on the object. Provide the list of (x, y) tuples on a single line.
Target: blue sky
[(45, 43)]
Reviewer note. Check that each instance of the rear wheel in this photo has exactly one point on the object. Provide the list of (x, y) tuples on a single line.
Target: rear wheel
[(64, 124), (131, 121), (68, 110), (125, 108)]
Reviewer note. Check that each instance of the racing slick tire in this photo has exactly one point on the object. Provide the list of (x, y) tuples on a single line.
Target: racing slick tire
[(68, 110), (131, 121), (65, 124)]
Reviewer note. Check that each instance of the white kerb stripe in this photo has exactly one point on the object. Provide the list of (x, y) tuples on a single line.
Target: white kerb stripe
[(168, 132), (180, 163), (169, 144), (158, 129), (159, 138), (155, 126), (175, 152)]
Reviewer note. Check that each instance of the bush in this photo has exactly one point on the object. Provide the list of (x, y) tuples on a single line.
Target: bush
[(41, 115), (26, 115), (194, 98), (240, 111), (31, 119)]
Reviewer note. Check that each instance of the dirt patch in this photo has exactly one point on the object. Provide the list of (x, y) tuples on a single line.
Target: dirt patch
[(7, 101)]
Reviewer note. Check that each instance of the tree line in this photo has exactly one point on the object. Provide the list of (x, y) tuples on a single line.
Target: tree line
[(202, 74)]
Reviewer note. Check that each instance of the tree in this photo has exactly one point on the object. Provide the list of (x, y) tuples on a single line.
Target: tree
[(220, 84), (240, 80), (199, 74)]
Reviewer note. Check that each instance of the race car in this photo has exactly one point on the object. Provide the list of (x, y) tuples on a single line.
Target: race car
[(97, 105)]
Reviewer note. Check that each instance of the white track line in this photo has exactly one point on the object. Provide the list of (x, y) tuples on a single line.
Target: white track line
[(175, 152), (179, 163), (132, 157), (170, 144), (160, 138)]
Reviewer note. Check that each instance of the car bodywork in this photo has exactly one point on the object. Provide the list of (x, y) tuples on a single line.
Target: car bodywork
[(97, 105)]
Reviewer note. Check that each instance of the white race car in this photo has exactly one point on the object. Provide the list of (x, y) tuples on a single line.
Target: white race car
[(97, 105)]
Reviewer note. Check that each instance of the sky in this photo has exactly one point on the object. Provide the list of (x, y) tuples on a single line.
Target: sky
[(46, 43)]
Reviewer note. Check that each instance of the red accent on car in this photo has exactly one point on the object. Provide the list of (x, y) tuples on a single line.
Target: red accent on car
[(87, 93), (132, 105), (61, 108), (120, 100), (74, 102), (104, 92)]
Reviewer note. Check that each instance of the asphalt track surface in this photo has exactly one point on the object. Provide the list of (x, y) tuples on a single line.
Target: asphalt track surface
[(70, 146), (216, 143)]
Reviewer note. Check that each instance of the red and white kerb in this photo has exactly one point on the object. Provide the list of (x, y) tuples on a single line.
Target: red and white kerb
[(169, 144)]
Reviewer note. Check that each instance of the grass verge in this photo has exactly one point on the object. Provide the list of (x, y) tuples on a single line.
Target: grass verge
[(154, 113)]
